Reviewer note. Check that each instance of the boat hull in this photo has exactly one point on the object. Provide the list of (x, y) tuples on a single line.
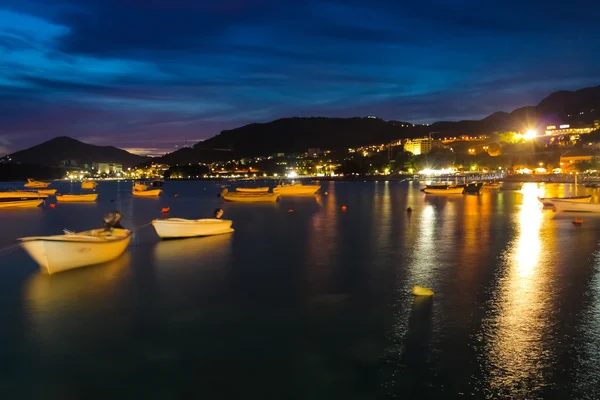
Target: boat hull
[(176, 228), (249, 197), (77, 198), (33, 203), (64, 252), (147, 193), (567, 206), (47, 191), (296, 190), (547, 201), (253, 190), (446, 190)]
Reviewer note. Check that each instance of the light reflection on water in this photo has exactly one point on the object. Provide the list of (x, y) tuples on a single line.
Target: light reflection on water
[(515, 348)]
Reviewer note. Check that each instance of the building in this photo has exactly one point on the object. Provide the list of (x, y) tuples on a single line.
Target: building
[(567, 129), (108, 167), (577, 156), (313, 152), (422, 145)]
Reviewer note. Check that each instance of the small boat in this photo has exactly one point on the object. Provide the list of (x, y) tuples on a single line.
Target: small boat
[(253, 190), (21, 199), (474, 187), (47, 191), (547, 201), (146, 192), (492, 185), (89, 184), (260, 197), (140, 186), (173, 228), (577, 222), (569, 206), (77, 198), (297, 189), (73, 250), (444, 189), (36, 184)]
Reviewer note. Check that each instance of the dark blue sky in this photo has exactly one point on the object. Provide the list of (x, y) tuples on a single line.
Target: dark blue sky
[(151, 74)]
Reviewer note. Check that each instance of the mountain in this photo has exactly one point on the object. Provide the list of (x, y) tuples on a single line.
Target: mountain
[(63, 148), (289, 135)]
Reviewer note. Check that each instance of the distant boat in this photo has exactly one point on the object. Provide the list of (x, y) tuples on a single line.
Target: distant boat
[(146, 192), (157, 183), (73, 250), (252, 190), (172, 228), (77, 198), (547, 201), (21, 199), (297, 189), (569, 206), (492, 185), (444, 189), (89, 184), (36, 184), (261, 197)]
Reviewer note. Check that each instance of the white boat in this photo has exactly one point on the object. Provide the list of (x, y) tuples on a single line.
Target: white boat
[(21, 203), (444, 189), (36, 184), (21, 199), (172, 228), (77, 198), (547, 201), (147, 192), (261, 197), (89, 184), (297, 189), (253, 190), (73, 250), (568, 206), (47, 191)]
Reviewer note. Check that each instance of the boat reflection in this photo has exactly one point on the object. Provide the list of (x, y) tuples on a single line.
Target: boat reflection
[(56, 304), (516, 350), (192, 257)]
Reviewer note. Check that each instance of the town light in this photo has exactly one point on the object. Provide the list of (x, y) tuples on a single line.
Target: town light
[(530, 134)]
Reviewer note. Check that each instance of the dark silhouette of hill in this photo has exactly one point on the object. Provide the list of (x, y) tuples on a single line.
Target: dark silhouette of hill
[(53, 152)]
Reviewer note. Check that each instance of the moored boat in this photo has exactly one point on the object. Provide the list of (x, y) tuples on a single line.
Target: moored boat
[(21, 199), (297, 189), (252, 190), (260, 197), (444, 189), (473, 187), (492, 185), (77, 198), (173, 228), (569, 206), (548, 201), (89, 184), (147, 192), (73, 250), (36, 184), (47, 191)]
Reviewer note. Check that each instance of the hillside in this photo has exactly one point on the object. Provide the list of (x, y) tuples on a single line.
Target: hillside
[(64, 148), (289, 135)]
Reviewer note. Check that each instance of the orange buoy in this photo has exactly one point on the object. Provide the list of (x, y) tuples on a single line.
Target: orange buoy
[(344, 208), (577, 221), (52, 205), (165, 210), (175, 195), (290, 210), (326, 193)]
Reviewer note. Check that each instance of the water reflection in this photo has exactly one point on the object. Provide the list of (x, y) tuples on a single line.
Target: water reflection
[(516, 350), (61, 305)]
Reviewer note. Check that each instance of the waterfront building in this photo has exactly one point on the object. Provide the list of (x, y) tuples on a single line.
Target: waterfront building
[(577, 156), (568, 129), (108, 167), (422, 145)]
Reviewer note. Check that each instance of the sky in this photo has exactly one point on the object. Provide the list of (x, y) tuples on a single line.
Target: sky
[(154, 75)]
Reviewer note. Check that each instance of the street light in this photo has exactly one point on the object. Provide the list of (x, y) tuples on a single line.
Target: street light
[(530, 134)]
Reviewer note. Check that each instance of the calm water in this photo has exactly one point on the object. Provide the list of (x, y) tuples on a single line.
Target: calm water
[(310, 304)]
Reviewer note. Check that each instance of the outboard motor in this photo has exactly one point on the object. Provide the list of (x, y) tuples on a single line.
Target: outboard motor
[(218, 213), (113, 220)]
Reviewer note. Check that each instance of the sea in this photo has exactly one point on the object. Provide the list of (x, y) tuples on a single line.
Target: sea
[(308, 299)]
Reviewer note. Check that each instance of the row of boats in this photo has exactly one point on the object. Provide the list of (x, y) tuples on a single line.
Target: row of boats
[(262, 194)]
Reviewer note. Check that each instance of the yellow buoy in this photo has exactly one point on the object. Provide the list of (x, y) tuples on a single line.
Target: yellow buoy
[(421, 291)]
